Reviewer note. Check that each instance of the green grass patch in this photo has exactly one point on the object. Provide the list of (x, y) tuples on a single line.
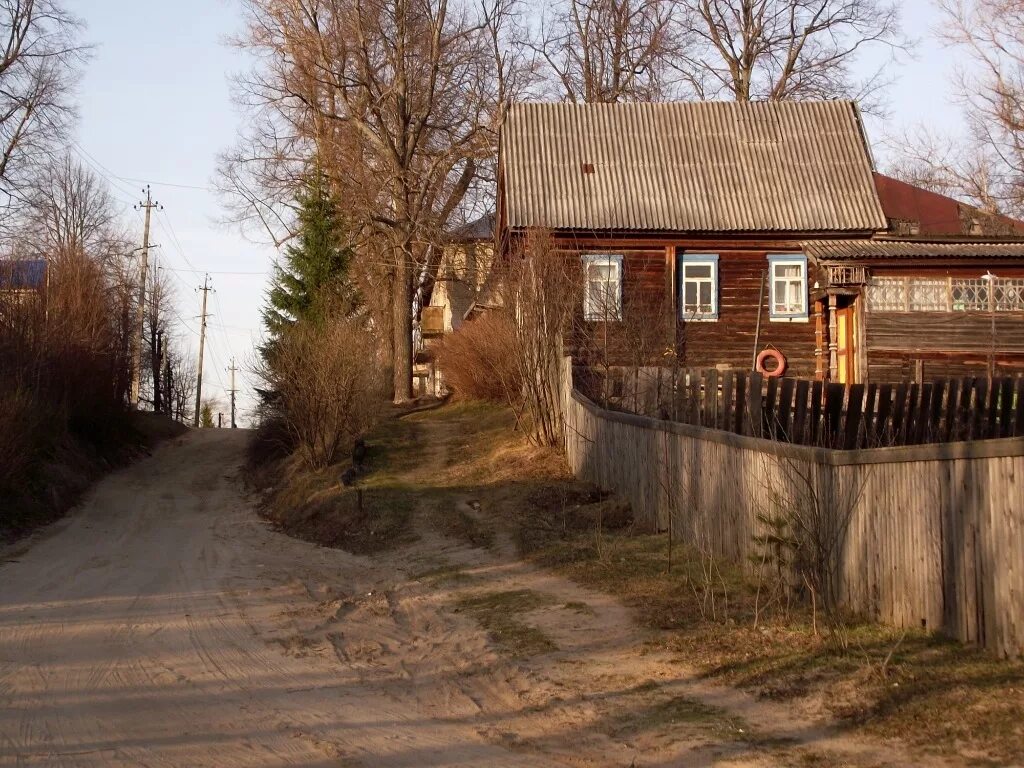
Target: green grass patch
[(681, 713), (578, 607), (443, 575), (500, 613)]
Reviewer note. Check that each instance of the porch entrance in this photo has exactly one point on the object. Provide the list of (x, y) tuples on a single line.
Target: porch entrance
[(846, 352)]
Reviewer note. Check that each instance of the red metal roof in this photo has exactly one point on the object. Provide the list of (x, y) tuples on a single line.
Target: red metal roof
[(938, 215)]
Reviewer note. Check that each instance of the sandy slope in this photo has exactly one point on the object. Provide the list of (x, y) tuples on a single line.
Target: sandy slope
[(164, 625), (131, 636)]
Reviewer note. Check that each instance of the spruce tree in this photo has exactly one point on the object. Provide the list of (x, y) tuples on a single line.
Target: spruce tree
[(314, 264)]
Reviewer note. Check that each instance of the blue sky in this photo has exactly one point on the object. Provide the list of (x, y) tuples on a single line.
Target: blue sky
[(155, 107)]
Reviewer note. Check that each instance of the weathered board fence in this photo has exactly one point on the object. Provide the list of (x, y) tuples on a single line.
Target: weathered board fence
[(932, 535), (814, 413)]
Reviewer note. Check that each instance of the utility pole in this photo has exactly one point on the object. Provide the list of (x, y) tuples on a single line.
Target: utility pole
[(202, 343), (148, 206), (168, 402), (232, 391)]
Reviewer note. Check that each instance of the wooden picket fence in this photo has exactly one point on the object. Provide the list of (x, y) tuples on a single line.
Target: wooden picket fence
[(933, 534), (814, 413)]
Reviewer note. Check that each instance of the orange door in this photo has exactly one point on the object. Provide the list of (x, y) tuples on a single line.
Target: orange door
[(846, 353)]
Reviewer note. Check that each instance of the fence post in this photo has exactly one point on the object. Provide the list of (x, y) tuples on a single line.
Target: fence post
[(754, 427)]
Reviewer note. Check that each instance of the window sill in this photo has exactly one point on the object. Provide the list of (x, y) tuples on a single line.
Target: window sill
[(699, 319), (784, 319)]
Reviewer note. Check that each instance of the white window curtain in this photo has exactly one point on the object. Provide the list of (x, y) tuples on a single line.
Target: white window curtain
[(602, 299), (788, 275), (699, 292)]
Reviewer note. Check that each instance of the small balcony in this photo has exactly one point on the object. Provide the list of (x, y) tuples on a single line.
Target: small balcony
[(432, 322)]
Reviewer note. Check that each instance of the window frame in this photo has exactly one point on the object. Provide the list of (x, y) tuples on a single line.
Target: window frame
[(789, 260), (603, 260), (702, 259)]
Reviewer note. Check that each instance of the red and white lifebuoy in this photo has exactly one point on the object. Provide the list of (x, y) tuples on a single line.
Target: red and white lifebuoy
[(777, 370)]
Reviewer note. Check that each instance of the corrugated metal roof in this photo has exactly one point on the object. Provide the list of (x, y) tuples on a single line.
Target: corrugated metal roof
[(846, 250), (22, 274), (474, 231), (689, 167)]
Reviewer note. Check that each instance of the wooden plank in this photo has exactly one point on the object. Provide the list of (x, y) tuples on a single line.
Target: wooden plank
[(817, 403), (769, 413), (1018, 428), (785, 410), (978, 413), (696, 398), (963, 410), (992, 412), (1006, 407), (803, 391), (711, 399), (935, 411), (868, 419), (924, 408), (899, 411), (883, 427), (854, 409), (754, 415), (740, 420), (728, 407), (906, 428), (834, 395), (949, 412)]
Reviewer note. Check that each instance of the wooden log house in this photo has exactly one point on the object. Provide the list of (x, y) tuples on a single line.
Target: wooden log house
[(725, 229)]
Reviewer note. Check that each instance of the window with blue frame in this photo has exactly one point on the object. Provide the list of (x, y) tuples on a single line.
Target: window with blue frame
[(698, 286), (602, 298), (788, 284)]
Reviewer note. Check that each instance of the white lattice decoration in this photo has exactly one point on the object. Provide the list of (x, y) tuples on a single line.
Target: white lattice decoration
[(1009, 295), (928, 295), (970, 295), (887, 294), (920, 294)]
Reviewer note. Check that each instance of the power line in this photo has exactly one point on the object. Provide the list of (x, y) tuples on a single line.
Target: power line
[(211, 190), (218, 272)]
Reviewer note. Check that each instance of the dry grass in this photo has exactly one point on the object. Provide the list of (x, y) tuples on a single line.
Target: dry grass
[(61, 466), (314, 505), (934, 694)]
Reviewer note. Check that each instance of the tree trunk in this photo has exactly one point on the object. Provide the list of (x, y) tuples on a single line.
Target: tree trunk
[(402, 317)]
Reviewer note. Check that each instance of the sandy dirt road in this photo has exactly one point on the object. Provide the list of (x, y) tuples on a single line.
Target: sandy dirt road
[(154, 628), (164, 624)]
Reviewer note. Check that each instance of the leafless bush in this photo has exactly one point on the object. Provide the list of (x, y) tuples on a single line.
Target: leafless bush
[(807, 514), (476, 363), (327, 384), (543, 290)]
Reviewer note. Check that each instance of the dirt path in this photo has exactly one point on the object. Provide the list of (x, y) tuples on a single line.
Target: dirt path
[(163, 624)]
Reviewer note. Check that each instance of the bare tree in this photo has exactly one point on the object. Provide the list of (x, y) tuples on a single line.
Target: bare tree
[(611, 50), (398, 101), (180, 378), (39, 54), (987, 166), (71, 207), (786, 49)]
